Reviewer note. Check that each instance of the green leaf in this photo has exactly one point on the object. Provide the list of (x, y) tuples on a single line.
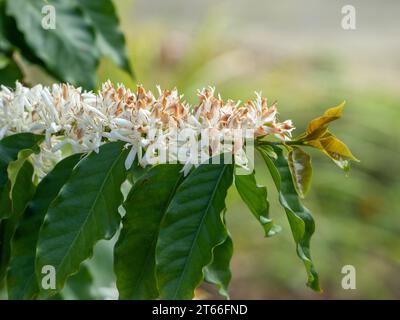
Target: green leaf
[(145, 207), (301, 170), (68, 51), (10, 149), (218, 271), (9, 71), (267, 149), (300, 219), (271, 167), (13, 39), (79, 286), (110, 40), (84, 212), (22, 192), (192, 227), (255, 197), (21, 280), (5, 45)]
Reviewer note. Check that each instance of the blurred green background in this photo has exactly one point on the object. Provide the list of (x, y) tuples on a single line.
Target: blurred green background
[(296, 53)]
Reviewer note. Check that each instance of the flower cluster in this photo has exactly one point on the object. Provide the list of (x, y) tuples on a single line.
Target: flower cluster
[(146, 122)]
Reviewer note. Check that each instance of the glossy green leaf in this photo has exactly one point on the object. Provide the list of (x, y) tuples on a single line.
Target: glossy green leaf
[(11, 148), (68, 51), (134, 256), (109, 37), (15, 40), (84, 212), (218, 271), (299, 217), (21, 280), (192, 227), (301, 169), (22, 192), (255, 197)]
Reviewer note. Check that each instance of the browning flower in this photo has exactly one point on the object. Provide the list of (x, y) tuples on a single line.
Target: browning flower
[(84, 120)]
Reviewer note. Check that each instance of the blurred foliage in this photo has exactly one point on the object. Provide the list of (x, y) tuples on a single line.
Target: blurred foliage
[(357, 214)]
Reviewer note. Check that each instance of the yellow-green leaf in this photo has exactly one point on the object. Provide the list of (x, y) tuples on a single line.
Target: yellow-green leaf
[(318, 126), (335, 149)]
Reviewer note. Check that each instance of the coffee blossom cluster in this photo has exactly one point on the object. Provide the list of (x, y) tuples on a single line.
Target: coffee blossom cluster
[(150, 124)]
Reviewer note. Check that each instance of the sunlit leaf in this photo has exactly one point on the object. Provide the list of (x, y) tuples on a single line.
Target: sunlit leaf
[(21, 279), (267, 149), (318, 126), (318, 136), (84, 212), (68, 51), (11, 148), (335, 149)]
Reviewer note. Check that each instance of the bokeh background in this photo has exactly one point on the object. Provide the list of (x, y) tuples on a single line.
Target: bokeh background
[(299, 54)]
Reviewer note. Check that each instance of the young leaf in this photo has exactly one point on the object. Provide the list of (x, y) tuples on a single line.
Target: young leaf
[(22, 192), (109, 37), (145, 207), (334, 149), (218, 271), (255, 197), (318, 126), (192, 227), (10, 149), (301, 170), (84, 212), (68, 51), (21, 280), (318, 136), (300, 219)]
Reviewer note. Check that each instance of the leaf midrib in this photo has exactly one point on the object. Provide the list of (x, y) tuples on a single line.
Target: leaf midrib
[(90, 212), (198, 231)]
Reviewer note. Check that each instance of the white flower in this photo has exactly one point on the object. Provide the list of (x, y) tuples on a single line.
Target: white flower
[(84, 120)]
